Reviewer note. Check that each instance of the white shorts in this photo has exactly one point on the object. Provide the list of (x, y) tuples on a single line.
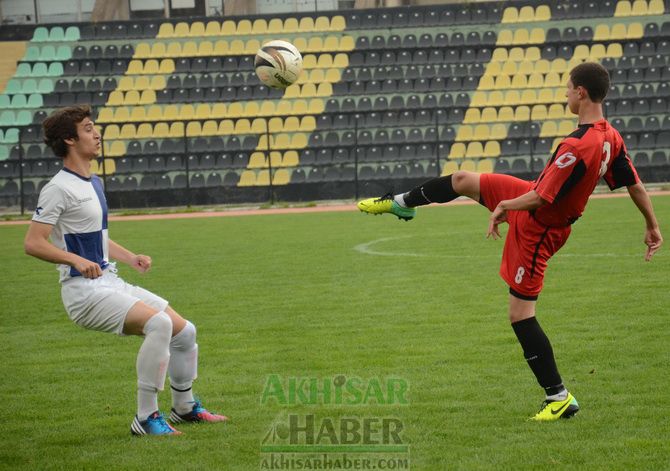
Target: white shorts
[(102, 303)]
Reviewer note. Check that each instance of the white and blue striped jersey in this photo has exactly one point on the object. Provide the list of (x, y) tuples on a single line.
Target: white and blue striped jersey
[(77, 209)]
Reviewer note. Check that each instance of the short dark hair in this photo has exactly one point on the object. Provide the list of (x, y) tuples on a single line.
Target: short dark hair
[(594, 78), (61, 125)]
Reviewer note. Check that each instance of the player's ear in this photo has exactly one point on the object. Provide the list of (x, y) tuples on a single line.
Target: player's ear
[(69, 142)]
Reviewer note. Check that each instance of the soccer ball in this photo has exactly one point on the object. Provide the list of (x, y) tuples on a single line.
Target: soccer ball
[(278, 64)]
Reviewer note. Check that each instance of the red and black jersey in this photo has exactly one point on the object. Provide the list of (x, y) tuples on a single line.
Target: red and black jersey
[(570, 176)]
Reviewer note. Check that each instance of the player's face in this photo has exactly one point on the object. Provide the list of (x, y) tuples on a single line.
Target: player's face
[(88, 143), (572, 94)]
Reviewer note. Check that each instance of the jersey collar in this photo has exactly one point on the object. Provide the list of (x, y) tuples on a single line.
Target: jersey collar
[(86, 179)]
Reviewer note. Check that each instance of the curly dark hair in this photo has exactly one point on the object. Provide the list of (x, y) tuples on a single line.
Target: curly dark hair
[(594, 78), (61, 125)]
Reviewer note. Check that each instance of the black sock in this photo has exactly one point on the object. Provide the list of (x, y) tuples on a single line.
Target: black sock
[(539, 354), (436, 190)]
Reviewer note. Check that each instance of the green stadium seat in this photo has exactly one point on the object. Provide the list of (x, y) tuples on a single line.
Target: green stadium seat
[(41, 34), (32, 54), (63, 53), (72, 34), (57, 34), (23, 70)]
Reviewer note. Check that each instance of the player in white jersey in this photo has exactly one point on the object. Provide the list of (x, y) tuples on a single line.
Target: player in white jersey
[(72, 211)]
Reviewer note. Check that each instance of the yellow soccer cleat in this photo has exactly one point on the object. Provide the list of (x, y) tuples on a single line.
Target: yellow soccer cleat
[(554, 410), (386, 204)]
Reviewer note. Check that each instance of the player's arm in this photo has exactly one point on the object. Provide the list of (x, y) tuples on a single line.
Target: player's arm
[(37, 244), (652, 238), (526, 202), (141, 263)]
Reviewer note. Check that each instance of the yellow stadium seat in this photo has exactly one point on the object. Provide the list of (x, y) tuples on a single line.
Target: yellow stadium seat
[(538, 112), (186, 112), (148, 97), (115, 98), (291, 25), (228, 28), (498, 131), (138, 113), (226, 126), (105, 115), (220, 48), (263, 142), (491, 149), (549, 129), (321, 24), (314, 44), (247, 178), (496, 98), (529, 97), (292, 92), (262, 178), (506, 114), (291, 124), (614, 50), (290, 159), (306, 24), (122, 114), (111, 132), (545, 95), (116, 149), (639, 8), (166, 30), (281, 141), (656, 7), (157, 82), (635, 31), (522, 113), (481, 132), (623, 8), (252, 46), (260, 26), (275, 125), (142, 51), (521, 36), (457, 151), (542, 13), (537, 36), (618, 31), (324, 89), (566, 127), (526, 13), (210, 128), (258, 126), (450, 167), (126, 83), (542, 66), (505, 38), (338, 23), (307, 124), (499, 54), (177, 129), (464, 133), (197, 29), (519, 81), (526, 67), (237, 47), (144, 131), (325, 61), (275, 159), (242, 126), (181, 30), (257, 160), (301, 45), (509, 68), (316, 106), (235, 110), (135, 67), (510, 15), (299, 141), (601, 33), (468, 165), (552, 79), (284, 107), (533, 54), (331, 43), (173, 49), (151, 67), (244, 27), (479, 99), (193, 129), (536, 80), (559, 95), (559, 65), (205, 48), (493, 68), (346, 44), (487, 82), (555, 111), (213, 28), (202, 111), (597, 52), (189, 49), (472, 115), (581, 51), (141, 83), (516, 54), (474, 150), (489, 115), (502, 82), (275, 26), (170, 113), (485, 165), (218, 110)]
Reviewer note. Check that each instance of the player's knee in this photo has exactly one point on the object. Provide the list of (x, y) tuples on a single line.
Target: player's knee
[(160, 325), (185, 338), (461, 181)]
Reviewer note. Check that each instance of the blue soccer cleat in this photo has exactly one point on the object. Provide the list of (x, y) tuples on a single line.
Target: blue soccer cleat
[(154, 425)]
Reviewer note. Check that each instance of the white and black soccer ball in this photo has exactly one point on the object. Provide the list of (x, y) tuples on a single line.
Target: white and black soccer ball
[(278, 64)]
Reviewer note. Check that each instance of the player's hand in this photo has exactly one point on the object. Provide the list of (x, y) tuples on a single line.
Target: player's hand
[(653, 239), (141, 263), (498, 216), (87, 268)]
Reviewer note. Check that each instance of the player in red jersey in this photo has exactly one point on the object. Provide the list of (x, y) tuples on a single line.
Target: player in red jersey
[(540, 215)]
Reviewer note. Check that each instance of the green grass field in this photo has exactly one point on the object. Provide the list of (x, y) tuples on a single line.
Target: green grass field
[(321, 295)]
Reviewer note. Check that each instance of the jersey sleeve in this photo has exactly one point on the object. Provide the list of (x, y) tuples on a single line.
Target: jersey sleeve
[(621, 172), (50, 204), (561, 174)]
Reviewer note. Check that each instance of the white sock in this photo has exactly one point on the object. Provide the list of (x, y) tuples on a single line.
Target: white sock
[(561, 396), (152, 362), (400, 199), (183, 368)]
